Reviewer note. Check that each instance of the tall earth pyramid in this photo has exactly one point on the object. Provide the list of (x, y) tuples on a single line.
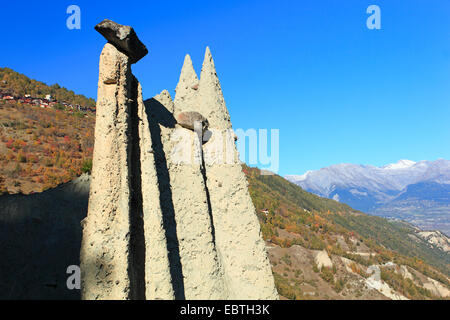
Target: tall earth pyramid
[(106, 260)]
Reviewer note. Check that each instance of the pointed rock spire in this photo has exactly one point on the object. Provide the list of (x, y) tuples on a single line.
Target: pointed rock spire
[(237, 231), (212, 104), (166, 100), (186, 98)]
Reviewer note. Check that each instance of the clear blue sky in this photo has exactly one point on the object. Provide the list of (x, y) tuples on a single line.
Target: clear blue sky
[(337, 91)]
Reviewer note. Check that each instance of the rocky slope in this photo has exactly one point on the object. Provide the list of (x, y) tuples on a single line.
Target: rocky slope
[(436, 239)]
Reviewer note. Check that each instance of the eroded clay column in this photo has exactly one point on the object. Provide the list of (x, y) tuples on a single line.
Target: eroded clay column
[(238, 234), (196, 267), (158, 276), (106, 233), (112, 250)]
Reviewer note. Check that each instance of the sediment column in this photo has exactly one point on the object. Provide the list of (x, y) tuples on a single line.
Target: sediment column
[(195, 266), (105, 248), (158, 278), (238, 234), (113, 249)]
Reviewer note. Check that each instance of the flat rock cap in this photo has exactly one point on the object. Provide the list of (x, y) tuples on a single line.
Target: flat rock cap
[(123, 38)]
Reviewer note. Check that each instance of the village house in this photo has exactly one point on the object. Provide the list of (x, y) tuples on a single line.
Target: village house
[(8, 97)]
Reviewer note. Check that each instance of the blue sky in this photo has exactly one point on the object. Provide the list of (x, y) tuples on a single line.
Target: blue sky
[(337, 91)]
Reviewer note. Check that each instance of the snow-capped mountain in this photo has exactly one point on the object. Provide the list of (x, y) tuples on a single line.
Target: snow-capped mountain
[(403, 189)]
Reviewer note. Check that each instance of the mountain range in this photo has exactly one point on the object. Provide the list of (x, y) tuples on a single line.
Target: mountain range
[(417, 192)]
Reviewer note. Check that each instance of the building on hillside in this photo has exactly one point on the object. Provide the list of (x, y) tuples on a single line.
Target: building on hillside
[(44, 104)]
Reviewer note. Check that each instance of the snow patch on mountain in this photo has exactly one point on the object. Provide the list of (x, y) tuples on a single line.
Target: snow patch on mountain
[(402, 164)]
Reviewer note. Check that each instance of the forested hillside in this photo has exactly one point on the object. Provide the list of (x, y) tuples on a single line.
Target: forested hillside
[(41, 148)]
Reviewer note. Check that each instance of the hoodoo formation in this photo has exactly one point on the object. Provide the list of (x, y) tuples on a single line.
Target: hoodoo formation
[(170, 215)]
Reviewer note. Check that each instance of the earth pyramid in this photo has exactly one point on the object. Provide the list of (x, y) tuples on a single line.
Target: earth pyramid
[(170, 215)]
